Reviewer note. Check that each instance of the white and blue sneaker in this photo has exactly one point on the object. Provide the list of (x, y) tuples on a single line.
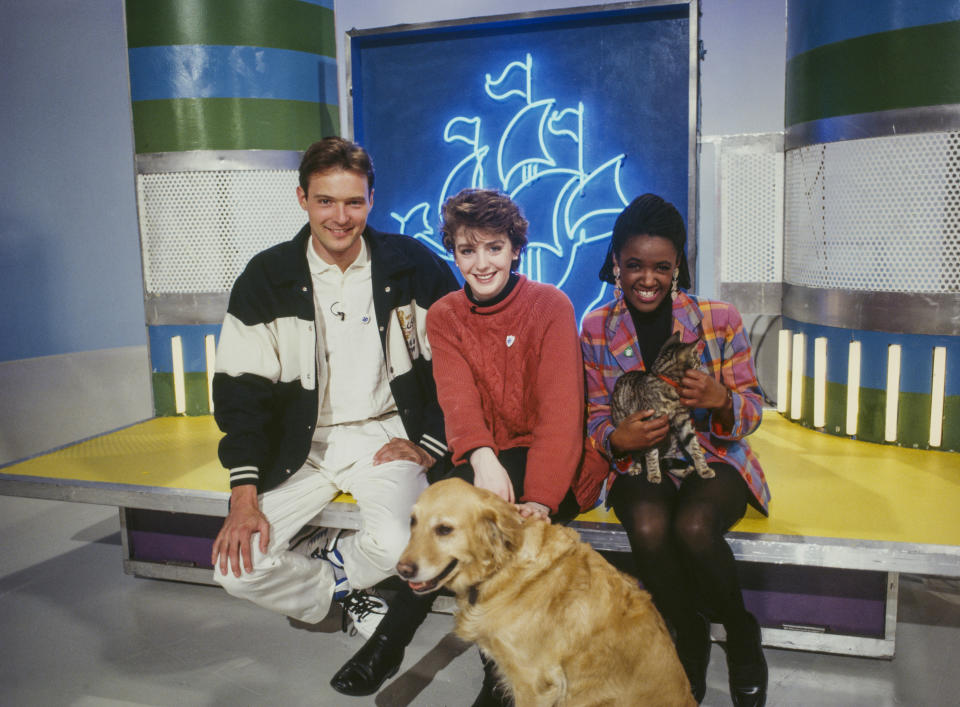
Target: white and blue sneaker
[(365, 609), (322, 545)]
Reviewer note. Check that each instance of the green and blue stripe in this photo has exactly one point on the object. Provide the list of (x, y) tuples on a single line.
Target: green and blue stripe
[(281, 24), (815, 23), (916, 375), (199, 71), (243, 75), (903, 68)]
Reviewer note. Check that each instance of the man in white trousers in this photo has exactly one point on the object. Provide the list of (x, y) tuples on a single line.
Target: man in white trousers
[(324, 384)]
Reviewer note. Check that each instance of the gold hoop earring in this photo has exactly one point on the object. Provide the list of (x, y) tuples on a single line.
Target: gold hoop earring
[(617, 290), (673, 284)]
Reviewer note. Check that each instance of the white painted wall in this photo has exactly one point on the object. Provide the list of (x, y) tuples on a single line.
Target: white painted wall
[(73, 356)]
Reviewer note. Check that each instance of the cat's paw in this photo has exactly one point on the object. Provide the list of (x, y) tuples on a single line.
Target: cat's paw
[(706, 472)]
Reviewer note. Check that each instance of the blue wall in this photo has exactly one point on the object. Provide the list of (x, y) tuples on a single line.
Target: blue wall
[(70, 274)]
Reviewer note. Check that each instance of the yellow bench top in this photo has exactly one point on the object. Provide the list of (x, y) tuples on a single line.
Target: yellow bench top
[(822, 486)]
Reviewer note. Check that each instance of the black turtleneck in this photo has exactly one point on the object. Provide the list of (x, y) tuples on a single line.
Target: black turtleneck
[(496, 299), (653, 329)]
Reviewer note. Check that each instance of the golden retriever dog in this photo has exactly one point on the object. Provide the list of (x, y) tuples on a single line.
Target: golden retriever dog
[(563, 626)]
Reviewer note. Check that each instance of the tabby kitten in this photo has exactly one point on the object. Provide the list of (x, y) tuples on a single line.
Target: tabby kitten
[(653, 390)]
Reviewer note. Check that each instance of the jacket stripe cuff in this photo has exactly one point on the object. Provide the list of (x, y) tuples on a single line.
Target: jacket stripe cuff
[(244, 474), (433, 445)]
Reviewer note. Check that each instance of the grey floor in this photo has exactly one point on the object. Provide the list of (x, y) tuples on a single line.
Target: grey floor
[(75, 630)]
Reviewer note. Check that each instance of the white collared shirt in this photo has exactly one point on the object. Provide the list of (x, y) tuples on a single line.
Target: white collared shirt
[(357, 387)]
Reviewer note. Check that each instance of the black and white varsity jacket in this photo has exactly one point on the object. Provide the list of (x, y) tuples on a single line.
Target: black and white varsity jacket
[(269, 378)]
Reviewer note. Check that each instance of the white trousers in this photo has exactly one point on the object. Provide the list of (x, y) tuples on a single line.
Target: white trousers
[(340, 460)]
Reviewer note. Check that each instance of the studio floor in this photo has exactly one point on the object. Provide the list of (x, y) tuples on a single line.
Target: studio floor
[(75, 630)]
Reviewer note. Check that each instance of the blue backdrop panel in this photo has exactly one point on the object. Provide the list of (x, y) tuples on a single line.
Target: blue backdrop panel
[(573, 116)]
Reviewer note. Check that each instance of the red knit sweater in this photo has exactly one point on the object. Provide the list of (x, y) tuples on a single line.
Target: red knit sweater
[(510, 375)]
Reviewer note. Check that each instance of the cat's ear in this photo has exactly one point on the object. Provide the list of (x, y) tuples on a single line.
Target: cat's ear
[(675, 338)]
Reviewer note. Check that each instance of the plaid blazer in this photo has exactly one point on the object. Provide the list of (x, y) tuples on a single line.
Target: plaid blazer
[(609, 344)]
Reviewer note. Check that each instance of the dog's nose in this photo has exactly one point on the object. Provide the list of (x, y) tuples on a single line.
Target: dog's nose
[(407, 569)]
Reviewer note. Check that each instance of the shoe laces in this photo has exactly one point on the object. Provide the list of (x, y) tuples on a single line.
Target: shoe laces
[(360, 605), (357, 605)]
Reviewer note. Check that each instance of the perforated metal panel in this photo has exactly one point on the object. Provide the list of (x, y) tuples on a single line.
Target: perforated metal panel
[(879, 214), (200, 229), (751, 208)]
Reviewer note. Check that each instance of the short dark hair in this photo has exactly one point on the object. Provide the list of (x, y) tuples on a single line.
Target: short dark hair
[(486, 210), (335, 153), (648, 215)]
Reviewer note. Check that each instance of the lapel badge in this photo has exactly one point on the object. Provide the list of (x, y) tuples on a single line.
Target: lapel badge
[(628, 352)]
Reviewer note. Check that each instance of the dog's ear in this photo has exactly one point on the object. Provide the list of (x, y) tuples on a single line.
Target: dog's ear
[(504, 530)]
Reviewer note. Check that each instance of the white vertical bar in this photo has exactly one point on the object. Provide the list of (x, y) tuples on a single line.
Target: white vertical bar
[(853, 387), (210, 349), (893, 392), (937, 394), (783, 371), (799, 368), (820, 381), (179, 382)]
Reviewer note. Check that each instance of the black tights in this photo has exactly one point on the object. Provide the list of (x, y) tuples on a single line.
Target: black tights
[(676, 535)]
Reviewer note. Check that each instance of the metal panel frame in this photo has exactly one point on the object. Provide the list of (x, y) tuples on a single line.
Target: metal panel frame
[(936, 313), (217, 161), (810, 551), (889, 557), (864, 646), (751, 297), (883, 123)]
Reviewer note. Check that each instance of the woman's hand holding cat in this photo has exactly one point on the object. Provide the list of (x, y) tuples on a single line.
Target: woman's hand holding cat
[(488, 473), (699, 390), (639, 431)]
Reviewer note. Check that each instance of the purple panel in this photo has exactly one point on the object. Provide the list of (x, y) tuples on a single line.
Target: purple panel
[(836, 614), (149, 546)]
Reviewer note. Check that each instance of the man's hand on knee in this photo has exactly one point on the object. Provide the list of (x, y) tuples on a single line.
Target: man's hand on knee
[(397, 449), (233, 541)]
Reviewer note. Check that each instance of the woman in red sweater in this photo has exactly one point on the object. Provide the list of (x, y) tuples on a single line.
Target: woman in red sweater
[(507, 363)]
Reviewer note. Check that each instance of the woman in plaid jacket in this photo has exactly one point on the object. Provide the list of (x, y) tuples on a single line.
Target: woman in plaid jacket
[(676, 527)]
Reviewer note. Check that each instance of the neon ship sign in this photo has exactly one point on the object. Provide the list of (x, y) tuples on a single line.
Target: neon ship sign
[(538, 159)]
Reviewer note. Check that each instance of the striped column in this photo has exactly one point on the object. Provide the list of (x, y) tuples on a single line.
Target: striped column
[(871, 297), (226, 94)]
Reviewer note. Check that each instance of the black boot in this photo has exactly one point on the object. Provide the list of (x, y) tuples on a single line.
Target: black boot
[(745, 662), (491, 693), (378, 660), (693, 649)]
